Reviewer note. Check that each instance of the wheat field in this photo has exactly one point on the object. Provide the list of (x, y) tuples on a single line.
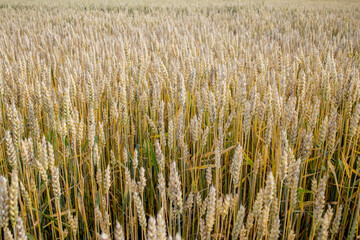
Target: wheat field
[(157, 120)]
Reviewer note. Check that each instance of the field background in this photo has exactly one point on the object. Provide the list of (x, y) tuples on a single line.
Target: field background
[(162, 120)]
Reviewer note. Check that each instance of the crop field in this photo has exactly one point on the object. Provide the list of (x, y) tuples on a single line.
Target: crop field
[(159, 120)]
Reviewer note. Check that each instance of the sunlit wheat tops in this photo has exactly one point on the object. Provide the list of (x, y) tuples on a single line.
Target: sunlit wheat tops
[(191, 120), (4, 202)]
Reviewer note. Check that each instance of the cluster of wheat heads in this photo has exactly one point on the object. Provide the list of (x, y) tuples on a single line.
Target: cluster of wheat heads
[(180, 123)]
